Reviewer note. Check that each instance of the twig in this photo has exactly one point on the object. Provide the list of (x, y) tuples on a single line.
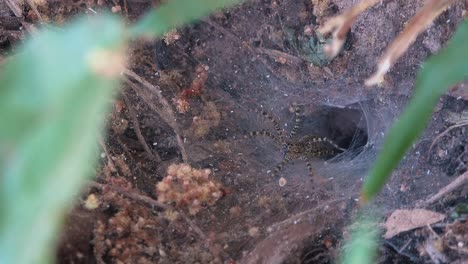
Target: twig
[(404, 246), (14, 7), (129, 194), (109, 157), (17, 10), (418, 23), (34, 8), (276, 54), (125, 7), (166, 113), (136, 126), (459, 181), (134, 195), (464, 123), (340, 25)]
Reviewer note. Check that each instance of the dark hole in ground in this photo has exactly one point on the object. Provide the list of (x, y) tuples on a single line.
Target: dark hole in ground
[(346, 126)]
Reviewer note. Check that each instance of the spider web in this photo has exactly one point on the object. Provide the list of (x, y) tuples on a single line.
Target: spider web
[(246, 77)]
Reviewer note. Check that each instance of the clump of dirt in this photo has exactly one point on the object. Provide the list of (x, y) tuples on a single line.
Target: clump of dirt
[(210, 118), (128, 235), (188, 188)]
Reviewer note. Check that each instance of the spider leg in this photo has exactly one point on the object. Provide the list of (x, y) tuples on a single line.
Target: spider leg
[(266, 134), (283, 163), (329, 141), (297, 120), (321, 140), (309, 167), (276, 126)]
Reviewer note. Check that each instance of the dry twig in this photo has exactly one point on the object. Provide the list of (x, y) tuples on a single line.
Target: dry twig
[(340, 25), (109, 157), (166, 112), (444, 133), (136, 126), (14, 7), (418, 23), (277, 55), (459, 181), (34, 8)]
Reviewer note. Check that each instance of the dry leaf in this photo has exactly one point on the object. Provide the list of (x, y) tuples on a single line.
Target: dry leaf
[(404, 220)]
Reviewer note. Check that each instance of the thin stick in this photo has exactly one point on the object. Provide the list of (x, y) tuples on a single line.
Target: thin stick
[(129, 194), (464, 123), (34, 8), (136, 126), (276, 55), (340, 25), (134, 195), (418, 23), (109, 157), (14, 7), (459, 181), (167, 114), (125, 8)]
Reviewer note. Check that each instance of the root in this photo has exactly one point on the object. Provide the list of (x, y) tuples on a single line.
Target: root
[(165, 111), (136, 126)]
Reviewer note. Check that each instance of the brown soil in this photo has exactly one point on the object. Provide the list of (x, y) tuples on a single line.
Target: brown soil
[(217, 74)]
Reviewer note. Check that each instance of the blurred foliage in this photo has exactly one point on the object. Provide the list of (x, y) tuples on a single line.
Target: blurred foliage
[(436, 76), (54, 96), (361, 248), (459, 211), (52, 105)]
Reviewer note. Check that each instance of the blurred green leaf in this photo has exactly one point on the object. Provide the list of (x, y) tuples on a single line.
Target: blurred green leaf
[(438, 73), (52, 105), (362, 246), (176, 13)]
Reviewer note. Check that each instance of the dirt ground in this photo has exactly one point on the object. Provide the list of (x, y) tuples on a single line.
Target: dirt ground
[(218, 75)]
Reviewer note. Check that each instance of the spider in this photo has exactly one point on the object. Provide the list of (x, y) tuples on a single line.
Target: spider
[(305, 148)]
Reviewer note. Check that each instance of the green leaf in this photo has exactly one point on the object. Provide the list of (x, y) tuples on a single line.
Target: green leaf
[(362, 246), (437, 75), (54, 96), (176, 13)]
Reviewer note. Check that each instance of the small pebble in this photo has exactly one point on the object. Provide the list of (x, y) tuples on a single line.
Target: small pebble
[(282, 182), (253, 232)]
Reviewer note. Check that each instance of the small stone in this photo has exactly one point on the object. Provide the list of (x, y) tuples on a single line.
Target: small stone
[(253, 232), (441, 153), (92, 202), (235, 211), (162, 253), (308, 30), (282, 182), (282, 60), (116, 9)]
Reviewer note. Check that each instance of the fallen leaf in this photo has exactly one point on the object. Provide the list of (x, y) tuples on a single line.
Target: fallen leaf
[(404, 220)]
